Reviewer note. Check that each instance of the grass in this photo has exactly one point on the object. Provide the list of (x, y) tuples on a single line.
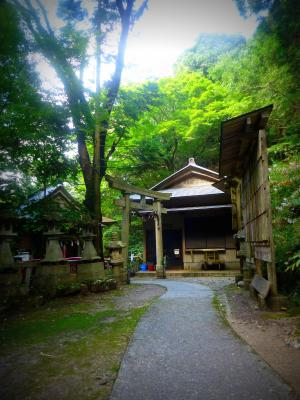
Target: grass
[(36, 330), (273, 315), (219, 305), (67, 349)]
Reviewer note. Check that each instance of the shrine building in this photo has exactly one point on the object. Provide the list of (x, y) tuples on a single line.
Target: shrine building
[(196, 223)]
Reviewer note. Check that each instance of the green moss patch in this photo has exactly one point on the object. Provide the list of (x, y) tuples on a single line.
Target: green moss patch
[(68, 348)]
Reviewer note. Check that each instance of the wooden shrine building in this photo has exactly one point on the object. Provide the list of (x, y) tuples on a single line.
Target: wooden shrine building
[(197, 223), (244, 163)]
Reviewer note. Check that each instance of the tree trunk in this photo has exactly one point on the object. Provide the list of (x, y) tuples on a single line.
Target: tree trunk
[(83, 119)]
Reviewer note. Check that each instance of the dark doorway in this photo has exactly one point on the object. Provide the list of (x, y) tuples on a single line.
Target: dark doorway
[(150, 247), (172, 241)]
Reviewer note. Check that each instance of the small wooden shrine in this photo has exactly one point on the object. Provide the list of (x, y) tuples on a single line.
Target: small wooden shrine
[(244, 163), (54, 206)]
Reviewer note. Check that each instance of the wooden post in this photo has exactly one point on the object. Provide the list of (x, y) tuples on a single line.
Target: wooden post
[(258, 266), (270, 265), (183, 244), (160, 268), (125, 237), (145, 244)]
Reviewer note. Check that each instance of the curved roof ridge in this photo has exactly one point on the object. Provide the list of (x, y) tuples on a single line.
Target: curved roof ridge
[(191, 164)]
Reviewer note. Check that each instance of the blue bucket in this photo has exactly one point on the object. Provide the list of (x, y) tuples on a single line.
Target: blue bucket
[(143, 267)]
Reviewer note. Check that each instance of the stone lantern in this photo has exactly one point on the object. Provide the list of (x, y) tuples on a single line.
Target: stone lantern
[(6, 236), (53, 250), (89, 251), (115, 247)]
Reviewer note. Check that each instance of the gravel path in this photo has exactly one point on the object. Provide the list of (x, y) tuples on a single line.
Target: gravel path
[(181, 350)]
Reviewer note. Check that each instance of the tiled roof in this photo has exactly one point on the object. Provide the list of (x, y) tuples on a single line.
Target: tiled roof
[(203, 190), (41, 194)]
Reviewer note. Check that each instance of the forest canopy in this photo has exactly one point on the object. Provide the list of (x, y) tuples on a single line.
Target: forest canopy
[(146, 131)]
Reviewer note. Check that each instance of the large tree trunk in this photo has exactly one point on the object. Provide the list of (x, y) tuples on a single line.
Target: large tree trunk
[(84, 121)]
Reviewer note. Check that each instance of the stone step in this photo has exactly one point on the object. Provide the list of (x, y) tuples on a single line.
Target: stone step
[(184, 273)]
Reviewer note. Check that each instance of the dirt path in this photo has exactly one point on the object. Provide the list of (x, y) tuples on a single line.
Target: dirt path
[(274, 336)]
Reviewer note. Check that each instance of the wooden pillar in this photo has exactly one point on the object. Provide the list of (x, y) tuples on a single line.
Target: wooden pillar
[(183, 244), (125, 237), (238, 207), (145, 244), (258, 266), (160, 267), (265, 170)]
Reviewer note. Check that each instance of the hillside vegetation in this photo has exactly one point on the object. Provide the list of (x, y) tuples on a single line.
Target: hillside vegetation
[(156, 126)]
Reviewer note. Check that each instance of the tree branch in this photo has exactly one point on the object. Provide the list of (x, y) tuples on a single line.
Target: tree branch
[(44, 12), (32, 11), (120, 7), (113, 147), (114, 84), (80, 111)]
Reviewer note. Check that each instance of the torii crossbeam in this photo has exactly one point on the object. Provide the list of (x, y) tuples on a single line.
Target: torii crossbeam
[(128, 205)]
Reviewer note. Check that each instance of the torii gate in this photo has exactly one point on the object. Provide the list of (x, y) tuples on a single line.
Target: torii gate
[(128, 205)]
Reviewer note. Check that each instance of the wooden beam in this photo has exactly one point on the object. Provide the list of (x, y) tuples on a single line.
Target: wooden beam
[(139, 206), (133, 205), (264, 116), (160, 268), (127, 188), (271, 267), (248, 127), (143, 200)]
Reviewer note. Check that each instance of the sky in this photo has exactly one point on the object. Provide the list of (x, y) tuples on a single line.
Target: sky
[(169, 27), (162, 34)]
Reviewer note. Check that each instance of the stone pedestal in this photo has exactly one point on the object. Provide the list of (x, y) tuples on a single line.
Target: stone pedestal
[(54, 252), (47, 277), (89, 251), (160, 272), (115, 247), (6, 236), (90, 271)]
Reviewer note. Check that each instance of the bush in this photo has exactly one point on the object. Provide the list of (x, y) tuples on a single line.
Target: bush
[(285, 193), (67, 289), (102, 285)]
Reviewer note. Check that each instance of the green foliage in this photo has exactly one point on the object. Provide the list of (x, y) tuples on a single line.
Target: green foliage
[(180, 119), (100, 284), (37, 214), (293, 262), (285, 194), (247, 7), (208, 49), (34, 132), (67, 289)]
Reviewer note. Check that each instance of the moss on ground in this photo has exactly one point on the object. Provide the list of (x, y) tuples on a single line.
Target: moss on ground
[(218, 302), (68, 348), (273, 315)]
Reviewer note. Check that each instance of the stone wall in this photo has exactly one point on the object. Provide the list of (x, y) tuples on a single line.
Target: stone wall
[(196, 261)]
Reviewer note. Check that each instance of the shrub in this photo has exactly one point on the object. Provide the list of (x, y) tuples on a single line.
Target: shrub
[(67, 289)]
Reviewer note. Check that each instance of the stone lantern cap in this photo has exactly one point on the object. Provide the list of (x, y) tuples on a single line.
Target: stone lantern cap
[(115, 243)]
